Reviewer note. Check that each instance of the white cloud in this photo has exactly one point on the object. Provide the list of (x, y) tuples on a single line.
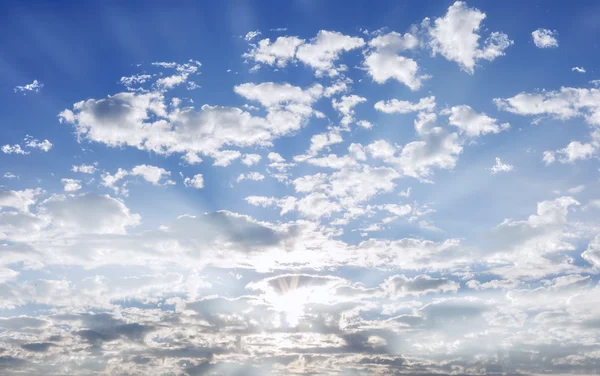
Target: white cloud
[(578, 69), (73, 213), (141, 120), (346, 107), (325, 49), (562, 104), (404, 107), (33, 143), (71, 185), (544, 38), (251, 35), (401, 286), (383, 66), (364, 124), (501, 167), (592, 253), (30, 143), (577, 189), (455, 36), (251, 159), (85, 169), (34, 87), (14, 149), (256, 176), (151, 174), (223, 158), (576, 151), (436, 148), (383, 62), (197, 181), (20, 200), (471, 123), (278, 53)]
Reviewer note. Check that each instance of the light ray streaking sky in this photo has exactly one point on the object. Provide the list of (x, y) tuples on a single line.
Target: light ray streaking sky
[(303, 187)]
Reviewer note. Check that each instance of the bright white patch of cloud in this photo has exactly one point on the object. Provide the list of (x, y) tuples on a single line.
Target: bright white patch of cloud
[(251, 159), (251, 35), (544, 38), (197, 181), (471, 123), (71, 185), (346, 107), (455, 36), (256, 176), (85, 169), (325, 49), (501, 167), (404, 107), (578, 69), (34, 87)]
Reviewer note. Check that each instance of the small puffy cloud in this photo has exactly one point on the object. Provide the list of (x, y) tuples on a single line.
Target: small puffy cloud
[(574, 151), (30, 143), (197, 181), (183, 72), (324, 50), (71, 185), (501, 167), (383, 63), (135, 80), (13, 149), (85, 169), (278, 53), (251, 35), (223, 158), (345, 106), (256, 176), (578, 69), (544, 38), (251, 159), (151, 174), (563, 104), (404, 107), (455, 36), (364, 124), (471, 123), (33, 143), (33, 87)]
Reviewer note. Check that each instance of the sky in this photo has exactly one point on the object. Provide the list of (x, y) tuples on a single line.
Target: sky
[(300, 187)]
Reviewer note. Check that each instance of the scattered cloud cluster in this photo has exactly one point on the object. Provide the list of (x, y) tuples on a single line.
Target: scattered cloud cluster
[(345, 220)]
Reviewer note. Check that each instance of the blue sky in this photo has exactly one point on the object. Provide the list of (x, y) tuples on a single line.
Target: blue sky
[(384, 184)]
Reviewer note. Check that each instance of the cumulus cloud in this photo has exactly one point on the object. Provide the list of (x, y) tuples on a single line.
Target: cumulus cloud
[(455, 36), (197, 181), (544, 38), (71, 185), (403, 107), (471, 123), (383, 62), (143, 121), (34, 87), (501, 167)]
